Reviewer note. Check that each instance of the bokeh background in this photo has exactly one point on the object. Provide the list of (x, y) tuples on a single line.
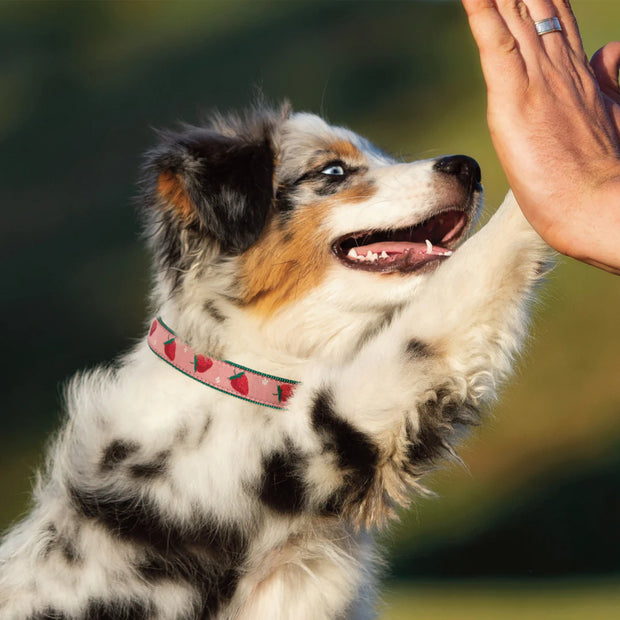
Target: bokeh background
[(531, 527)]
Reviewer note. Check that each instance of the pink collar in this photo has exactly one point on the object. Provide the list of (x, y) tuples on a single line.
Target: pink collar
[(221, 375)]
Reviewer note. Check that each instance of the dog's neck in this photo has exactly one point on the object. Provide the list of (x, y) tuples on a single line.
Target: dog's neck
[(222, 375), (281, 345)]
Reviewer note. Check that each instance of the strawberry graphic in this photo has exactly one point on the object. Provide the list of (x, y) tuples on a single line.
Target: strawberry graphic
[(202, 363), (284, 392), (153, 327), (170, 348), (239, 382)]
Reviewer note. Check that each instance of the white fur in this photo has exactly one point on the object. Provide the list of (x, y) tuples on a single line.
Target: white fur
[(472, 314)]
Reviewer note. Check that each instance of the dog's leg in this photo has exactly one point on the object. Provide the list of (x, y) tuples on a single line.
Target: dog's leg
[(359, 437), (401, 403), (474, 310)]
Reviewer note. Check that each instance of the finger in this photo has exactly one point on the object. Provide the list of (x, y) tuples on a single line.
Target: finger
[(565, 49), (516, 15), (606, 64), (499, 52), (539, 10), (547, 53), (565, 14)]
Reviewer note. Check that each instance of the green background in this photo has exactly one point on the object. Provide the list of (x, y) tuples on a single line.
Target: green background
[(530, 527)]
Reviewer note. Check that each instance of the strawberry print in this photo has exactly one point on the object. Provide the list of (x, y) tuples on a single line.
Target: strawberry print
[(170, 348), (153, 327), (239, 382), (284, 392), (202, 363)]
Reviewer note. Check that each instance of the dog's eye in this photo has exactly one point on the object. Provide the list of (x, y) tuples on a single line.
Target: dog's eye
[(333, 170)]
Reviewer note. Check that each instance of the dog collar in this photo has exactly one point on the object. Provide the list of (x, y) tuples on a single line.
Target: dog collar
[(222, 375)]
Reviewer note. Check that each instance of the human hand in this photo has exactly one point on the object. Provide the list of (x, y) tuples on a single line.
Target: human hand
[(555, 124), (606, 64)]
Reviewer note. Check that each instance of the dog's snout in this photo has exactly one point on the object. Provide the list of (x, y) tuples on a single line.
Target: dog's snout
[(465, 169)]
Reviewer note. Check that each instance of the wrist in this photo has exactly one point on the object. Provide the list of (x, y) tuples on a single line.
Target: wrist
[(594, 235)]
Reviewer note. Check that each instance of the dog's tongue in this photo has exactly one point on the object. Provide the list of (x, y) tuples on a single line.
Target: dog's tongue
[(392, 248)]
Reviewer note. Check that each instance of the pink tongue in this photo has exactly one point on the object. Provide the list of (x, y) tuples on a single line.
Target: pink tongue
[(398, 247)]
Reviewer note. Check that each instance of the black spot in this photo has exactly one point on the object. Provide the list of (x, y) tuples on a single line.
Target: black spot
[(282, 487), (212, 310), (225, 182), (220, 592), (116, 610), (330, 185), (214, 581), (354, 448), (228, 180), (205, 430), (131, 517), (439, 418), (207, 556), (376, 328), (127, 517), (240, 167), (69, 550), (284, 200), (116, 453), (417, 348), (356, 454), (52, 540), (425, 446), (99, 610), (48, 614), (151, 469), (61, 543)]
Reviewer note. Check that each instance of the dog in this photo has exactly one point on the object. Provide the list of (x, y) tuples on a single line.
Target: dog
[(323, 337)]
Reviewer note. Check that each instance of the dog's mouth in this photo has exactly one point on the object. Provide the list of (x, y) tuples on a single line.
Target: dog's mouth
[(405, 249)]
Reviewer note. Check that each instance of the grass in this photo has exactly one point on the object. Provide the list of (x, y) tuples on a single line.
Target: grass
[(595, 600)]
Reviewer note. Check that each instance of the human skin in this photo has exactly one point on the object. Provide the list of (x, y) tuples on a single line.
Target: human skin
[(554, 119)]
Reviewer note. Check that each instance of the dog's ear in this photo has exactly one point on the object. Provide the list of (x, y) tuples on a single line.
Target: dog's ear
[(223, 184)]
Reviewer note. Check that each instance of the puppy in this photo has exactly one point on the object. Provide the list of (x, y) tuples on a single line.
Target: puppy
[(322, 339)]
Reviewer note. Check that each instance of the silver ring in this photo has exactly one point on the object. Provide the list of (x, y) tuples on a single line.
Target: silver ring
[(545, 26)]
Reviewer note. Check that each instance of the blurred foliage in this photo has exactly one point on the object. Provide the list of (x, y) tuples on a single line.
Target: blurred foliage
[(82, 84)]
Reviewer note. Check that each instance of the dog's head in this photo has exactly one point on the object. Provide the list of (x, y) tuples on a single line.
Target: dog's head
[(281, 214)]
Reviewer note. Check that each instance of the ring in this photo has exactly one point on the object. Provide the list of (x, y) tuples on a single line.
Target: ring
[(545, 26)]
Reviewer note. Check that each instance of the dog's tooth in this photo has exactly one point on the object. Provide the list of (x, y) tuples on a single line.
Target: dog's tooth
[(429, 246), (352, 253), (369, 255), (384, 254)]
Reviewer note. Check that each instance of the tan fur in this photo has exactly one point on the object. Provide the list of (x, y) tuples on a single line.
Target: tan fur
[(170, 187), (357, 193), (346, 150), (288, 261)]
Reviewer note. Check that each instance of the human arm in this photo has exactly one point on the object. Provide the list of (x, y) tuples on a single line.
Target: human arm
[(555, 124)]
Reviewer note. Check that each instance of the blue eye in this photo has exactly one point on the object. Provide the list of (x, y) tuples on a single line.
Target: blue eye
[(333, 171)]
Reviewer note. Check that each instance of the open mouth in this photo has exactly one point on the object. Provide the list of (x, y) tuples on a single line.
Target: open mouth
[(405, 249)]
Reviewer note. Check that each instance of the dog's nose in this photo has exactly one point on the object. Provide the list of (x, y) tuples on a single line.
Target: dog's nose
[(464, 168)]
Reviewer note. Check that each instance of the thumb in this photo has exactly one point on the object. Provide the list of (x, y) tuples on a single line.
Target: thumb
[(606, 64)]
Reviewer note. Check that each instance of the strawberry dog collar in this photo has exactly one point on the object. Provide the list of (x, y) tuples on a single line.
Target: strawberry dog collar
[(221, 375)]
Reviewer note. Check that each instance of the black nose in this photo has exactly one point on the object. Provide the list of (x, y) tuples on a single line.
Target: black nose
[(464, 168)]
